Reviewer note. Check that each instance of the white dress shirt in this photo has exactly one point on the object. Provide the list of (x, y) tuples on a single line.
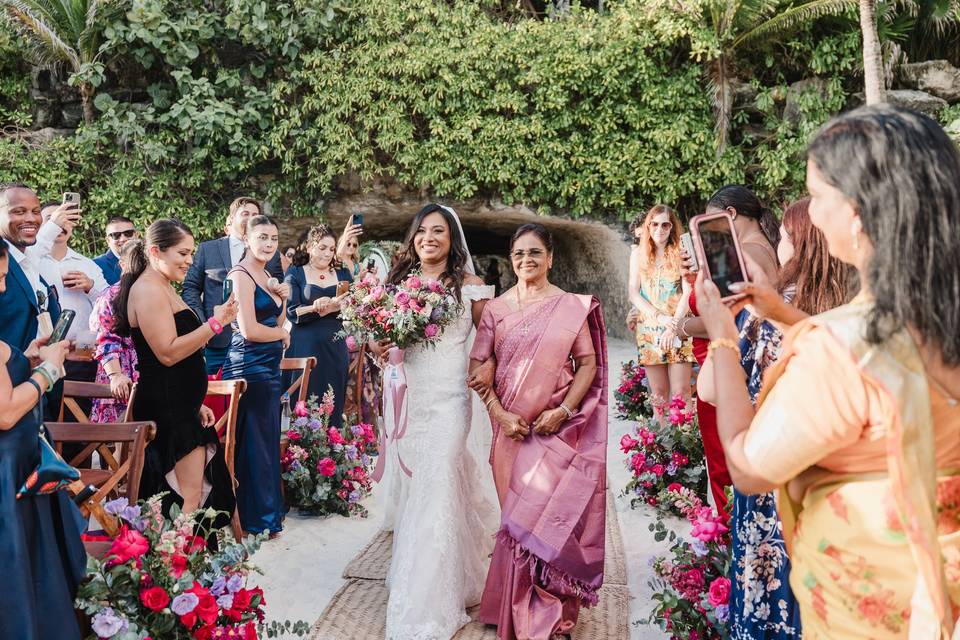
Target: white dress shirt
[(75, 299), (236, 249), (30, 258)]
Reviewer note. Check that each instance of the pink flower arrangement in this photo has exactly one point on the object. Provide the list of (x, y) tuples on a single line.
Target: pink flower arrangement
[(410, 313), (325, 469), (691, 590), (161, 580), (661, 456), (632, 395)]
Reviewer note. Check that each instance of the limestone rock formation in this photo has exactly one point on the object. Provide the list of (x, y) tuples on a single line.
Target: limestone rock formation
[(936, 77)]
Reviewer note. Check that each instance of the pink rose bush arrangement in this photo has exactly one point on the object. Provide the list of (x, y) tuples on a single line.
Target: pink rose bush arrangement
[(416, 311), (691, 590), (325, 469), (161, 580), (632, 395), (665, 458)]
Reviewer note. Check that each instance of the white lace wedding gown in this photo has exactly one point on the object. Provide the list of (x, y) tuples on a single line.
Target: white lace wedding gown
[(442, 518)]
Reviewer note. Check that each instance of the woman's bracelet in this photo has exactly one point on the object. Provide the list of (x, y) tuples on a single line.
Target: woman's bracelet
[(110, 374), (682, 329), (726, 343), (563, 407), (36, 385)]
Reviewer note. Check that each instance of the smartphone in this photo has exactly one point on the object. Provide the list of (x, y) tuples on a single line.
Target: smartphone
[(342, 287), (686, 243), (718, 251), (63, 325), (371, 263), (357, 218), (71, 198), (227, 289)]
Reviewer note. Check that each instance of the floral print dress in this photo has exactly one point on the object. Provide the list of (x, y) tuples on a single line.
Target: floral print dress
[(110, 346), (663, 289), (762, 605)]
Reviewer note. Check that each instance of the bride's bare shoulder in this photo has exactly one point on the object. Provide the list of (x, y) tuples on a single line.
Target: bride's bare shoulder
[(471, 279)]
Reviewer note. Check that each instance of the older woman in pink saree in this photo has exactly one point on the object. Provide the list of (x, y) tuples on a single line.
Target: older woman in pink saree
[(548, 406)]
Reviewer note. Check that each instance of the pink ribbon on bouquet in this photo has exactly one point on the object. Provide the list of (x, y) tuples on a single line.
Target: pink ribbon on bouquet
[(395, 399)]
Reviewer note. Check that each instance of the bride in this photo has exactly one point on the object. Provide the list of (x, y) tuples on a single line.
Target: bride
[(442, 522)]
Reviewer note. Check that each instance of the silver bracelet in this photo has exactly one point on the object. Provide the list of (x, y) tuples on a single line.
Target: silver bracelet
[(566, 410), (683, 328)]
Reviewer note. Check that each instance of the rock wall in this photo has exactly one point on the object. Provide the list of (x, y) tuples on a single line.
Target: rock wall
[(589, 257)]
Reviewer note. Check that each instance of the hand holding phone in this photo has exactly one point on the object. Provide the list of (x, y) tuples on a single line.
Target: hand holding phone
[(342, 287), (357, 219), (686, 247), (718, 251), (63, 326), (227, 289)]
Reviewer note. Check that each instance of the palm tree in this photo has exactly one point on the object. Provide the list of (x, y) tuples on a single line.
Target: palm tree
[(873, 82), (741, 24), (62, 32)]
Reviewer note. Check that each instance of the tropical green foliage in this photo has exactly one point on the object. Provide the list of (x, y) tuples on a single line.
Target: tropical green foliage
[(586, 112)]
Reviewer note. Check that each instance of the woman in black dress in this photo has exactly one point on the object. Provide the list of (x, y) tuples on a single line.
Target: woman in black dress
[(313, 308), (185, 459), (43, 556)]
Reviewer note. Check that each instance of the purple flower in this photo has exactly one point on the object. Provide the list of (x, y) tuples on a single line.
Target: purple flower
[(364, 459), (338, 447), (356, 430), (114, 507), (354, 496), (351, 452), (225, 601), (219, 586), (723, 612), (699, 547), (314, 424), (107, 624), (235, 583), (300, 422), (672, 469), (435, 314), (184, 603)]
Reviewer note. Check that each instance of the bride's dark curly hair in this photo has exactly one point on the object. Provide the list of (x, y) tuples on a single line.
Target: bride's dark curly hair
[(408, 259)]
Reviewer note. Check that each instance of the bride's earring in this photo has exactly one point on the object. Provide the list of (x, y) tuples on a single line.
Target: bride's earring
[(855, 229)]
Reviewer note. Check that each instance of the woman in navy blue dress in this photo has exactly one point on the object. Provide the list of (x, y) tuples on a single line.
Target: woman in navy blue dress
[(313, 308), (254, 355), (43, 556)]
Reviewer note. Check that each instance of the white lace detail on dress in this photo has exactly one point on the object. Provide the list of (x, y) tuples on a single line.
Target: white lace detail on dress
[(442, 524)]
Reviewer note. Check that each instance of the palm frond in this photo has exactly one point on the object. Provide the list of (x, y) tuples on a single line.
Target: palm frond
[(793, 18), (49, 45)]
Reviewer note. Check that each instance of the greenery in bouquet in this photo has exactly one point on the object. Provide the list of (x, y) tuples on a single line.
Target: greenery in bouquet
[(662, 457), (161, 579), (416, 311), (326, 469), (632, 395), (691, 590)]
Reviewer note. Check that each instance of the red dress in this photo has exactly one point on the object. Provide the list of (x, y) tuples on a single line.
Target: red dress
[(717, 471)]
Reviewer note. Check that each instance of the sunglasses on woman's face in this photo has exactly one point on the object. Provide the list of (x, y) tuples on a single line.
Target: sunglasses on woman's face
[(666, 226), (116, 235)]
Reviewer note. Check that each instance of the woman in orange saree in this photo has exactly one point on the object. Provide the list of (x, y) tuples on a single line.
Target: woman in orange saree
[(548, 406), (858, 422)]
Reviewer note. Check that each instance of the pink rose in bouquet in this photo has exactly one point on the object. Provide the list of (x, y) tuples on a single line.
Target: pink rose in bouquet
[(719, 591), (708, 526), (333, 435), (128, 545), (413, 282), (627, 443), (327, 467)]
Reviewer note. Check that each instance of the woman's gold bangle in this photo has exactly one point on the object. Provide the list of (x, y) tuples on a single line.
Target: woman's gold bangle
[(726, 343)]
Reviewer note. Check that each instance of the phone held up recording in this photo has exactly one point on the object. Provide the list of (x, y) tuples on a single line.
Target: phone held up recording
[(63, 326), (227, 289), (718, 251)]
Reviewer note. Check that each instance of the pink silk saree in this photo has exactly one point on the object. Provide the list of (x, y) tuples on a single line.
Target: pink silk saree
[(548, 560)]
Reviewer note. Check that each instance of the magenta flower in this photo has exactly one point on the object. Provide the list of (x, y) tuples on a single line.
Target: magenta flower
[(431, 330)]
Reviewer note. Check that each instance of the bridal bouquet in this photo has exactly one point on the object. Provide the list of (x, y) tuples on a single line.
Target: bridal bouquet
[(413, 312), (160, 579)]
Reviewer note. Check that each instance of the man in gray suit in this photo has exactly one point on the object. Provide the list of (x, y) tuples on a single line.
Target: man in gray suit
[(203, 286)]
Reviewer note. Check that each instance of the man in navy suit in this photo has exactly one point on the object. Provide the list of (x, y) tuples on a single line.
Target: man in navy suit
[(120, 231), (203, 286)]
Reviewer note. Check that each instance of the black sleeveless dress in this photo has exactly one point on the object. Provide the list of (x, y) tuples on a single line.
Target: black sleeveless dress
[(171, 397)]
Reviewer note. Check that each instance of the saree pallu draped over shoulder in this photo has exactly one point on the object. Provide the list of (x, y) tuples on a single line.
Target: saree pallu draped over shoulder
[(877, 555), (548, 560)]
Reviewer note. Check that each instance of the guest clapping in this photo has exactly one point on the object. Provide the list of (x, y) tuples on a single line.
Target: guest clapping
[(44, 559), (661, 298), (548, 409), (256, 349), (316, 287), (185, 459), (859, 418)]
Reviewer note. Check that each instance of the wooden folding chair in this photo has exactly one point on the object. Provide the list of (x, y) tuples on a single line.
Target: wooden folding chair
[(89, 391), (301, 386), (125, 463), (227, 428)]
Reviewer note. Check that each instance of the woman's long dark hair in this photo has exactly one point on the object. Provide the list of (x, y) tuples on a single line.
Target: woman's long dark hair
[(747, 204), (822, 282), (163, 234), (408, 261), (902, 174)]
